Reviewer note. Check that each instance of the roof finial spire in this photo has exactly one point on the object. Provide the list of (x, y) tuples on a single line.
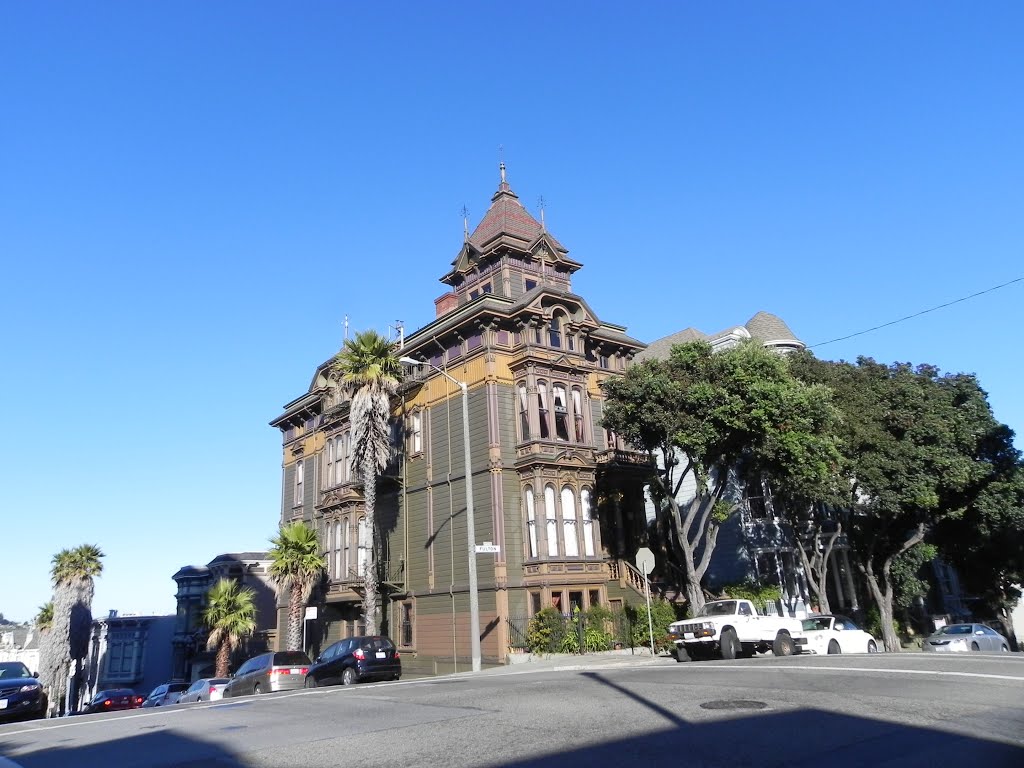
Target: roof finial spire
[(501, 163), (540, 204), (465, 223)]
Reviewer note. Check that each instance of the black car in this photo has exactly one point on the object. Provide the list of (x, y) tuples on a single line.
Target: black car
[(21, 695), (113, 700), (354, 660)]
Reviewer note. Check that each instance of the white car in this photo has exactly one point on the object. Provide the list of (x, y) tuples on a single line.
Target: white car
[(206, 689), (828, 633)]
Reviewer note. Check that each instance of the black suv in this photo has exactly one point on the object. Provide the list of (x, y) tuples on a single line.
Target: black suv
[(354, 660), (21, 695)]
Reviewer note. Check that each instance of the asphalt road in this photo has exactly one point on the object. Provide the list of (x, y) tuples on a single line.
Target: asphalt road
[(908, 709)]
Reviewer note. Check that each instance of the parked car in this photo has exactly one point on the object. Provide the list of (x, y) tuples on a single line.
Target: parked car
[(829, 633), (956, 638), (204, 689), (113, 700), (165, 695), (21, 694), (354, 660), (269, 672)]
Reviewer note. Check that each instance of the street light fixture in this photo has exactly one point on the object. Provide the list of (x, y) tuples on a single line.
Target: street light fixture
[(474, 598)]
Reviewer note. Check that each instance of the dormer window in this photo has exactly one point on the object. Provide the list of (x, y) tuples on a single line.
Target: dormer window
[(477, 292), (555, 332), (529, 284)]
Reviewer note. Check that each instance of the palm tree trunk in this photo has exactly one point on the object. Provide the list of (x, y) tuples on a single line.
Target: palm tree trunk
[(371, 596), (223, 657), (295, 617)]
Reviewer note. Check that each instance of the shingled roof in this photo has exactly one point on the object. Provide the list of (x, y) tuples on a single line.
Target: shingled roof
[(507, 218), (764, 327)]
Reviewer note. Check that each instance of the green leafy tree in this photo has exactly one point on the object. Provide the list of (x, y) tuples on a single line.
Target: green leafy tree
[(721, 420), (64, 647), (918, 448), (230, 616), (370, 373), (296, 565), (44, 618)]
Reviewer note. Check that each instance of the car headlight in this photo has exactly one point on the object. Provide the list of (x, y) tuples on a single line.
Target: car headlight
[(29, 687), (708, 625)]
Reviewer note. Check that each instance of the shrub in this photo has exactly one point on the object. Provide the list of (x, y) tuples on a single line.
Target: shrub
[(663, 613), (545, 632)]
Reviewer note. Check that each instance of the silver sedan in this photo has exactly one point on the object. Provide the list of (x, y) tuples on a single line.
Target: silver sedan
[(958, 638)]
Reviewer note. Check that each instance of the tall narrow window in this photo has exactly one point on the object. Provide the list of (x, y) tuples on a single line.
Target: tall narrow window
[(577, 415), (346, 457), (542, 408), (524, 412), (536, 335), (339, 572), (297, 500), (346, 562), (588, 523), (572, 546), (361, 531), (329, 464), (417, 432), (531, 522), (552, 521), (561, 412), (555, 332)]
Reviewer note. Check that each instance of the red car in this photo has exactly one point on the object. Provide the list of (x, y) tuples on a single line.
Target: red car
[(113, 700)]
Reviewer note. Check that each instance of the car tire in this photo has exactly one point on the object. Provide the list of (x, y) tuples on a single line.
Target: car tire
[(348, 677), (1004, 649), (730, 644), (397, 677), (783, 645), (310, 682), (833, 648), (256, 690), (681, 655), (974, 647), (872, 648)]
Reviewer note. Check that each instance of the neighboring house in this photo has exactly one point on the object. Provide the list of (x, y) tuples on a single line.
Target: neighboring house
[(20, 643), (555, 493), (755, 545), (191, 659), (128, 651)]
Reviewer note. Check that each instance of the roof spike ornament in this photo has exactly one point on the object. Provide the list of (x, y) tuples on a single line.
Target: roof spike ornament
[(465, 224), (540, 204)]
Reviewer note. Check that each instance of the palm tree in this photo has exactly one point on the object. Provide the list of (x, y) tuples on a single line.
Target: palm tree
[(230, 615), (370, 373), (296, 566), (67, 643)]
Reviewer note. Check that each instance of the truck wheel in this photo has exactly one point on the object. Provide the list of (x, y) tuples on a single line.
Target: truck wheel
[(833, 647), (730, 644), (681, 655), (783, 645)]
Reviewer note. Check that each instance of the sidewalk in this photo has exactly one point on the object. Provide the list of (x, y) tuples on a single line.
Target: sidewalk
[(574, 662)]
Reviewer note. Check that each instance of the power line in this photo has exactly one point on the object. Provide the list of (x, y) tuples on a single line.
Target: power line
[(918, 314)]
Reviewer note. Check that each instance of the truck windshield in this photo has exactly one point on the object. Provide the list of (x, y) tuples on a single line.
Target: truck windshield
[(718, 608)]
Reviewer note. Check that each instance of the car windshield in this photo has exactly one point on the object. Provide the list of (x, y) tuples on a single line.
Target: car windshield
[(817, 624), (11, 669), (956, 629), (718, 608)]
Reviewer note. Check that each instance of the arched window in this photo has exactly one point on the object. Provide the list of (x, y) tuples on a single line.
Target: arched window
[(551, 520), (588, 523), (572, 545), (555, 332), (329, 473), (524, 412), (577, 415), (531, 522), (361, 531), (417, 432), (542, 409)]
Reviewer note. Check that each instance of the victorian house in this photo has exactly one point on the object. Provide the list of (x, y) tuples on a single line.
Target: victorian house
[(557, 499)]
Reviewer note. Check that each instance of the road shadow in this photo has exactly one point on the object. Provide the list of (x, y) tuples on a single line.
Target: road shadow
[(760, 738), (147, 750)]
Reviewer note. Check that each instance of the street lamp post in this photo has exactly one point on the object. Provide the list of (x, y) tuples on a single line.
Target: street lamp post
[(474, 598)]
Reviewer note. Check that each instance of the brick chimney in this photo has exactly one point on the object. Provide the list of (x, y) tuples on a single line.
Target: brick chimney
[(446, 304)]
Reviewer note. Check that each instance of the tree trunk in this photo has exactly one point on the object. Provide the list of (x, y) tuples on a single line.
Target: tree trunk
[(223, 657), (371, 598), (296, 611), (816, 569), (694, 593), (882, 593)]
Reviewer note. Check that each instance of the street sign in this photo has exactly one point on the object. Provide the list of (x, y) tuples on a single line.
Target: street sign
[(644, 560), (487, 548), (310, 613)]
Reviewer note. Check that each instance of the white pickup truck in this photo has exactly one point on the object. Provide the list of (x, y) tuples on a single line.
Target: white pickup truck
[(730, 629)]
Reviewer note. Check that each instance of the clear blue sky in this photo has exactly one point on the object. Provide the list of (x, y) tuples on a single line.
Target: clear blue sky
[(193, 195)]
